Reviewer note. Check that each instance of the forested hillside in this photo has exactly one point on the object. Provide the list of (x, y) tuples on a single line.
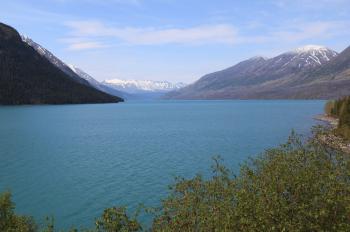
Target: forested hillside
[(26, 77)]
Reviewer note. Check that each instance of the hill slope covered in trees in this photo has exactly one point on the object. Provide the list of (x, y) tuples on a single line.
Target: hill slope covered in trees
[(26, 77)]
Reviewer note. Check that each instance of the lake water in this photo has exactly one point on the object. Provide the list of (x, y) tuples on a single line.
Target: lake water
[(73, 161)]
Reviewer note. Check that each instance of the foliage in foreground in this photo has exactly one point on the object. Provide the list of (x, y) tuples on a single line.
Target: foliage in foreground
[(295, 187), (340, 109), (9, 221)]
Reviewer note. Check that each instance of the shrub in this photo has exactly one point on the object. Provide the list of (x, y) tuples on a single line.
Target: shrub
[(116, 219), (294, 187), (9, 221)]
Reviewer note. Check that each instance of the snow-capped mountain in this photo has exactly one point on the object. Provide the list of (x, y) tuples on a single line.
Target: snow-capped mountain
[(53, 59), (98, 85), (129, 89), (85, 76), (28, 77), (143, 86), (307, 56), (72, 71), (261, 77)]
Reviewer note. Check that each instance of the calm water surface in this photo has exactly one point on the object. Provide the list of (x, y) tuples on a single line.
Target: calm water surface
[(73, 161)]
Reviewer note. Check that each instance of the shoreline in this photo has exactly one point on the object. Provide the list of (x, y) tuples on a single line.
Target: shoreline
[(330, 138), (332, 121)]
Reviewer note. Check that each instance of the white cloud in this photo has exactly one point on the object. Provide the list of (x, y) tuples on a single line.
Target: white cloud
[(75, 44), (310, 4), (85, 45), (152, 36), (132, 2), (298, 32), (104, 2), (311, 30), (288, 33)]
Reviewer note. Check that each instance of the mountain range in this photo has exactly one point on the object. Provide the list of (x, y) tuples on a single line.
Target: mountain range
[(98, 85), (143, 89), (127, 89), (30, 74), (310, 72), (27, 76), (71, 70)]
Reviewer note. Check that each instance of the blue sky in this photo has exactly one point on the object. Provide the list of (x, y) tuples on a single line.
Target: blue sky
[(175, 40)]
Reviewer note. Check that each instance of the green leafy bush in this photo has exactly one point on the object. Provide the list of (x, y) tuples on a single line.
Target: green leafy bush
[(9, 221), (294, 187), (116, 219)]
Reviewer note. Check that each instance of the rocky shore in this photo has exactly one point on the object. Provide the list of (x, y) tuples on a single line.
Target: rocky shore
[(329, 137), (332, 121)]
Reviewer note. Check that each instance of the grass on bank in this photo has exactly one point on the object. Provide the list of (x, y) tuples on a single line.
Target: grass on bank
[(298, 186)]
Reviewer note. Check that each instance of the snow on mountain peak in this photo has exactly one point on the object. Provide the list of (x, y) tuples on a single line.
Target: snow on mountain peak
[(24, 37), (42, 51), (73, 68), (259, 58), (310, 48), (134, 86), (310, 55)]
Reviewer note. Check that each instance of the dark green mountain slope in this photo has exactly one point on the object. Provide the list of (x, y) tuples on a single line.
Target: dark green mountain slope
[(28, 78)]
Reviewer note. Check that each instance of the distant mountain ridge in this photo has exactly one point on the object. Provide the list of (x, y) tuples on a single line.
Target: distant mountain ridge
[(71, 70), (143, 86), (143, 89), (98, 85), (127, 89), (290, 75), (52, 58), (28, 77)]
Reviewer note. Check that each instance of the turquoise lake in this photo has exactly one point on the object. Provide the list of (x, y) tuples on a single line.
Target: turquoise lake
[(72, 161)]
